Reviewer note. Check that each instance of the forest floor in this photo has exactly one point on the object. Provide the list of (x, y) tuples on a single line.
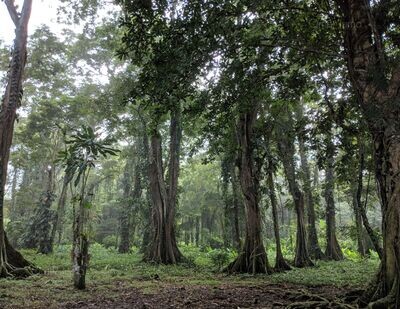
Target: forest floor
[(123, 281)]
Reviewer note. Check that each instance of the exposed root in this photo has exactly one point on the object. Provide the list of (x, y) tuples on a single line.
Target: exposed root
[(13, 264), (281, 265), (303, 299), (253, 264), (352, 296), (320, 304), (317, 254), (389, 301)]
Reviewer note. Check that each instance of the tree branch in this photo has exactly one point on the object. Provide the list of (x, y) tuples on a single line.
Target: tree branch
[(12, 11), (26, 11)]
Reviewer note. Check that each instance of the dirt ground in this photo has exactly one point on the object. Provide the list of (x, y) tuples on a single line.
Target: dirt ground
[(267, 296)]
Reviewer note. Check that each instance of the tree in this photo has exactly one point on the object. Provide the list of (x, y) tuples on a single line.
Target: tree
[(170, 65), (11, 261), (252, 258), (333, 250), (79, 158), (312, 235), (287, 151), (375, 77), (125, 215), (280, 262)]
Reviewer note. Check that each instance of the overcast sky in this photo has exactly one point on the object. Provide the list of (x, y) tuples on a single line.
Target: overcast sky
[(43, 12)]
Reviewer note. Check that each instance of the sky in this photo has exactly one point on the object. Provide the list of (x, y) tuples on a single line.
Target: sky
[(43, 12)]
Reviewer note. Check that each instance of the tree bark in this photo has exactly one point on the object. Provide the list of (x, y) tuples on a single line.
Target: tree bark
[(360, 210), (287, 152), (80, 245), (379, 103), (45, 245), (333, 250), (13, 212), (60, 212), (163, 248), (358, 221), (357, 200), (125, 211), (280, 262), (145, 172), (313, 245), (236, 207), (11, 262), (252, 258)]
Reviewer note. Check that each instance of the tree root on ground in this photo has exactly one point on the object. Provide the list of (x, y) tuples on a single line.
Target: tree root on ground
[(13, 264), (304, 299)]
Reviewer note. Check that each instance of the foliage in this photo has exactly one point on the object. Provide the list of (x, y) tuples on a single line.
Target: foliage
[(83, 148)]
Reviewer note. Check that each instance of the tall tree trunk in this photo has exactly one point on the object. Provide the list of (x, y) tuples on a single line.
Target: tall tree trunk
[(144, 151), (379, 103), (357, 192), (280, 262), (163, 247), (333, 250), (125, 211), (197, 231), (237, 205), (287, 152), (228, 201), (11, 262), (13, 212), (358, 221), (60, 212), (360, 209), (45, 216), (252, 258), (135, 194), (313, 245), (80, 245)]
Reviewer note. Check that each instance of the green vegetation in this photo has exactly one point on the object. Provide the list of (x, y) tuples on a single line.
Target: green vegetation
[(109, 270), (205, 154)]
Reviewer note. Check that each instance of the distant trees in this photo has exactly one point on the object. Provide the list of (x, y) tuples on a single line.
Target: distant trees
[(259, 94)]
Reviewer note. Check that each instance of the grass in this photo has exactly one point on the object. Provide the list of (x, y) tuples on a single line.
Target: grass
[(111, 273)]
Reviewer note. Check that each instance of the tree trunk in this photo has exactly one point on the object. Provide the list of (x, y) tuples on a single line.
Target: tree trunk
[(280, 262), (227, 225), (197, 231), (125, 211), (236, 207), (252, 258), (357, 192), (13, 212), (45, 216), (313, 245), (358, 221), (333, 251), (60, 212), (80, 246), (11, 262), (379, 102), (163, 248), (145, 172), (287, 152), (360, 209)]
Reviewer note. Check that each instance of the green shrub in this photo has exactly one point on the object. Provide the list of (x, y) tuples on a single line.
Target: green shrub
[(221, 257), (351, 255), (110, 241)]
